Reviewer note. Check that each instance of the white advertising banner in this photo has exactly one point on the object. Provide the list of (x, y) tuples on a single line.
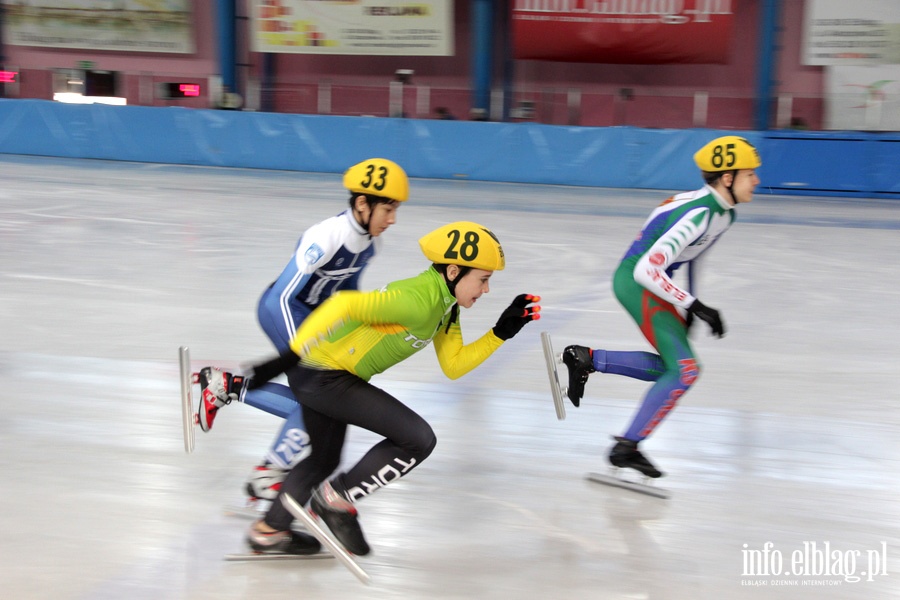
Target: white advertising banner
[(851, 32), (123, 25), (369, 27), (863, 98)]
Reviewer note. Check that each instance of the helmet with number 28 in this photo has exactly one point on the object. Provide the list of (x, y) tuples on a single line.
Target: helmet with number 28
[(464, 243), (727, 153), (378, 177)]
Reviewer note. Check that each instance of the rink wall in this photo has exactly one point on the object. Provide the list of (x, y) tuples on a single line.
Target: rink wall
[(817, 163)]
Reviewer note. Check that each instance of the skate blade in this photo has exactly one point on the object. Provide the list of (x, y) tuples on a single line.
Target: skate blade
[(552, 361), (273, 556), (255, 513), (247, 511), (313, 527), (188, 418), (619, 482)]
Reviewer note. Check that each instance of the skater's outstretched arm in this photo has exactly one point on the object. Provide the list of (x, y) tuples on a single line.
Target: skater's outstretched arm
[(457, 359)]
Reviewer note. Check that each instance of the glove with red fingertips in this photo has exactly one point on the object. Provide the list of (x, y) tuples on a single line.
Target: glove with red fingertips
[(522, 310)]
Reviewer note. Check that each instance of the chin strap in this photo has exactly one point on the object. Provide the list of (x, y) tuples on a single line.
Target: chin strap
[(451, 285), (734, 200), (454, 317), (364, 225)]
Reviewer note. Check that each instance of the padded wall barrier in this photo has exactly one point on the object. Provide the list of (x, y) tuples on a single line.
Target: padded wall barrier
[(841, 164)]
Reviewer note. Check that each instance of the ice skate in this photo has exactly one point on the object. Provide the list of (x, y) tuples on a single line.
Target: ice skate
[(284, 542), (341, 517), (215, 386), (311, 524), (262, 488), (279, 545), (625, 455), (265, 482), (553, 360), (251, 508), (580, 364)]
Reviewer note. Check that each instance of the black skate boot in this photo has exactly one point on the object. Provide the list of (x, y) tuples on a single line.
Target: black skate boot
[(625, 454), (282, 542), (580, 364), (341, 517)]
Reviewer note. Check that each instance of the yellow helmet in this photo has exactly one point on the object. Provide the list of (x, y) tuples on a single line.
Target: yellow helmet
[(727, 153), (464, 243), (378, 177)]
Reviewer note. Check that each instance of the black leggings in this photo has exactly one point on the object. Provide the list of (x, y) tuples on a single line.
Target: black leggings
[(331, 400)]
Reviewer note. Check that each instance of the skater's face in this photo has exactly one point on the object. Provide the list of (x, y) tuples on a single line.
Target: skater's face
[(379, 217), (743, 184), (471, 286)]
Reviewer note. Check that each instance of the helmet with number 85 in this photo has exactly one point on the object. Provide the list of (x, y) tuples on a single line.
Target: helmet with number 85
[(378, 177), (466, 244), (727, 153)]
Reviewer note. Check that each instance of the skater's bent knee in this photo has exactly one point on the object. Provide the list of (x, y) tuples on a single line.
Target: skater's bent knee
[(688, 371), (420, 445), (430, 447)]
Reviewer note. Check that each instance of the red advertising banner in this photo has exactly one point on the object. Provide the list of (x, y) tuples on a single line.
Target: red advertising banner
[(648, 32)]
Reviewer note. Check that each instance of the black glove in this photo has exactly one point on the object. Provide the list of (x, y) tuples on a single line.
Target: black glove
[(705, 313), (264, 372), (514, 318)]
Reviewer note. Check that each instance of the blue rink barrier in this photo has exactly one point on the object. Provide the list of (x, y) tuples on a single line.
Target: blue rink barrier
[(819, 163)]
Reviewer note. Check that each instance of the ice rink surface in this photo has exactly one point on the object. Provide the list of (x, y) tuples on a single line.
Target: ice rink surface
[(782, 461)]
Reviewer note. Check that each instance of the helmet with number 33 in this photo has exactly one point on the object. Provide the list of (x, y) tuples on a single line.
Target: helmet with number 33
[(378, 177), (464, 243)]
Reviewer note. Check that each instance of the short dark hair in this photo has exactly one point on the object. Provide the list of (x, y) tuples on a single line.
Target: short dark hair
[(710, 177), (372, 199)]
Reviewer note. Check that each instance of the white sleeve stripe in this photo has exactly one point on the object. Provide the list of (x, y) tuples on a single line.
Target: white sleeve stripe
[(296, 283)]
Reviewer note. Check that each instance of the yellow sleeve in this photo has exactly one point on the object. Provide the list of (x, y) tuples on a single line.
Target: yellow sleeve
[(377, 308), (456, 359)]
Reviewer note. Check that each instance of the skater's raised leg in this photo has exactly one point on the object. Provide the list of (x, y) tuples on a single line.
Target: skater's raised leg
[(645, 366), (273, 398), (582, 361)]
